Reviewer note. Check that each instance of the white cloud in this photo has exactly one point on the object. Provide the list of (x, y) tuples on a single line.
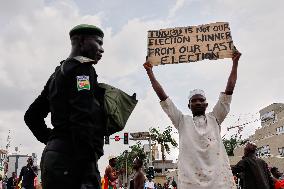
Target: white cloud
[(177, 6), (126, 48), (34, 38)]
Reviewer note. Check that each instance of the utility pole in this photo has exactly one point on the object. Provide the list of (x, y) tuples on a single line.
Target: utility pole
[(144, 136), (150, 154), (8, 141), (126, 177), (7, 152)]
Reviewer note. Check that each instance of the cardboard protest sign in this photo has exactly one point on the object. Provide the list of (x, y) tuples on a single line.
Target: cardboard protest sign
[(190, 44)]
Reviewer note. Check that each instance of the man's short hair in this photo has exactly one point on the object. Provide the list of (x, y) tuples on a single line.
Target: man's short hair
[(254, 146), (273, 169), (250, 148), (111, 158), (86, 29), (139, 161)]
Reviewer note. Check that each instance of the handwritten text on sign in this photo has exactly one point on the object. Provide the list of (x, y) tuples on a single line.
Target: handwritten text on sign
[(190, 44)]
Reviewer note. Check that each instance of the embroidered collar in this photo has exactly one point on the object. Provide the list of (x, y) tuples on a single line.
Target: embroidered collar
[(83, 59)]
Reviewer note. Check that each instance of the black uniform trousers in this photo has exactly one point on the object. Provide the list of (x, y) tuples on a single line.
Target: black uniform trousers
[(61, 170)]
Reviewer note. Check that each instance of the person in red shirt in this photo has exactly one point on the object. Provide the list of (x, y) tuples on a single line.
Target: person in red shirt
[(111, 174), (278, 178)]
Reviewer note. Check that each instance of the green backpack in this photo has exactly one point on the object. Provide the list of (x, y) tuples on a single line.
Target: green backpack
[(118, 106)]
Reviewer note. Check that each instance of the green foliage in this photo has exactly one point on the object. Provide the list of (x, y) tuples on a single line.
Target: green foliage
[(164, 139), (232, 143), (129, 156)]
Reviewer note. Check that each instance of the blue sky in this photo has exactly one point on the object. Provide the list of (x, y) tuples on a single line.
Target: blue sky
[(34, 38)]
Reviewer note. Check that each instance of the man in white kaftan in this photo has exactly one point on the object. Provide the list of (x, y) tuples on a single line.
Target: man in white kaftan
[(203, 162)]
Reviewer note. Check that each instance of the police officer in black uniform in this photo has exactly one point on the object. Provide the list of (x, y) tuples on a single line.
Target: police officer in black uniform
[(75, 101)]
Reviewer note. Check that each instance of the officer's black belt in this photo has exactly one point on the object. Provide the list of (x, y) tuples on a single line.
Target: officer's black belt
[(59, 145)]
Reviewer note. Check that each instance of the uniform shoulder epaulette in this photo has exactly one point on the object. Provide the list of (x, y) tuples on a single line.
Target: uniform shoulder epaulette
[(68, 65), (83, 59), (71, 63)]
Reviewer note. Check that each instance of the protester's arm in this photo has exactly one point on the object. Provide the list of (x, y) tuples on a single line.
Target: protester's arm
[(222, 108), (155, 84), (168, 106), (233, 75), (34, 116)]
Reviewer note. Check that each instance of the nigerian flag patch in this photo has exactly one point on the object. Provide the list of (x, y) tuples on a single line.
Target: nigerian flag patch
[(83, 82)]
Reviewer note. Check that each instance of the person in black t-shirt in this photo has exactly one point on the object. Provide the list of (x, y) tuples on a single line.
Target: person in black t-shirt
[(28, 174), (12, 181), (256, 174)]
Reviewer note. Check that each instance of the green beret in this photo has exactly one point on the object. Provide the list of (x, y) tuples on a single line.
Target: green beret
[(86, 29)]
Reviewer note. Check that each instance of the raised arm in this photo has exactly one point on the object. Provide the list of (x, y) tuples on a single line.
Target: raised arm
[(155, 84), (168, 106), (233, 75)]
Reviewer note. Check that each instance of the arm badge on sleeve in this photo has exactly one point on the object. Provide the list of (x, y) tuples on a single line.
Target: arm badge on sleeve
[(83, 83)]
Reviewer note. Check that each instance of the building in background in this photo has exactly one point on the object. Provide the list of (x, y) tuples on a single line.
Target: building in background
[(155, 151), (169, 166), (269, 138), (159, 165), (170, 171), (17, 161)]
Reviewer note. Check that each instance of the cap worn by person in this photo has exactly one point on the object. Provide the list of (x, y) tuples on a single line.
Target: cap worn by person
[(86, 29), (196, 92), (273, 169)]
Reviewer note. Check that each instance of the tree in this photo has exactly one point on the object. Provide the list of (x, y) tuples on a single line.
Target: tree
[(163, 139), (127, 158), (232, 143)]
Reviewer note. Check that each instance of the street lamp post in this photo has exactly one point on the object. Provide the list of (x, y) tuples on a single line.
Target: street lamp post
[(150, 154), (126, 177), (143, 136)]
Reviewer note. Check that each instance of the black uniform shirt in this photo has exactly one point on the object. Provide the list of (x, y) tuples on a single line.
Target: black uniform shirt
[(76, 105)]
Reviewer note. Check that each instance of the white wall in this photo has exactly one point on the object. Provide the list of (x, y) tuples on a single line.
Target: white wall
[(16, 166)]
